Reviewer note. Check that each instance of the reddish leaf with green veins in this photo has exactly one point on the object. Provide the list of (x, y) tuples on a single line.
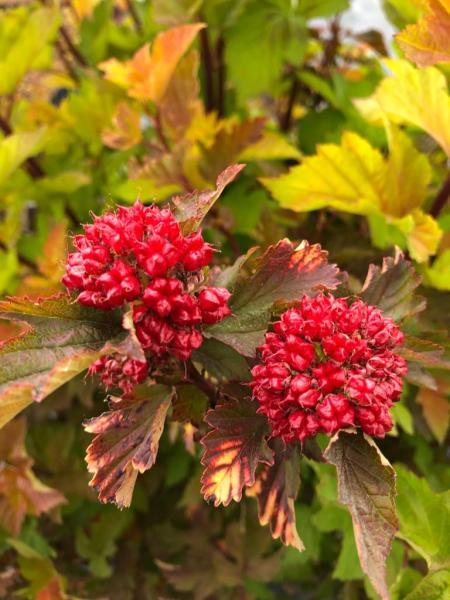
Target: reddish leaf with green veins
[(391, 287), (233, 450), (126, 442), (366, 485), (276, 489), (61, 341), (191, 209), (282, 274)]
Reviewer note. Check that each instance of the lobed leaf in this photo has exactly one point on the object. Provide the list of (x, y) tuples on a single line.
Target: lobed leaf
[(391, 287), (221, 361), (61, 341), (21, 493), (418, 97), (428, 41), (147, 75), (366, 485), (126, 442), (282, 274), (276, 489), (192, 208), (233, 449)]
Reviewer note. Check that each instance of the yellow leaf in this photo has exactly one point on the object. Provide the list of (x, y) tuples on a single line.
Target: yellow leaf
[(354, 177), (84, 8), (271, 146), (418, 97), (428, 41), (438, 275), (408, 174), (147, 75), (423, 240), (16, 148), (126, 130)]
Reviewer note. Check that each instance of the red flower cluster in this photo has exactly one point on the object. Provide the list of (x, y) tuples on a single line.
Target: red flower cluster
[(119, 371), (327, 365), (139, 254)]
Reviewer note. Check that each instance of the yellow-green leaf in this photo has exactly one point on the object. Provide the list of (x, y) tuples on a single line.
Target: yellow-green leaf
[(25, 50), (16, 148)]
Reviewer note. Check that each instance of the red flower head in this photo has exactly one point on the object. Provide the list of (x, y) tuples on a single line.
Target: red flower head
[(139, 254), (327, 365)]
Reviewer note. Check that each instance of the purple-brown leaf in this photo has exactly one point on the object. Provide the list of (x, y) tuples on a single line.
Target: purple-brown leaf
[(233, 450), (191, 209), (126, 442), (276, 489), (366, 485)]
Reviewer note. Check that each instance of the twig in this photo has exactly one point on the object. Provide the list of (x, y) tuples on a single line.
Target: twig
[(441, 198), (71, 46), (287, 117), (23, 260), (197, 378), (134, 15), (221, 73), (207, 63), (159, 131)]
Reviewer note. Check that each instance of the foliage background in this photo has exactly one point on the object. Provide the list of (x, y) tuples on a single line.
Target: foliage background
[(343, 147)]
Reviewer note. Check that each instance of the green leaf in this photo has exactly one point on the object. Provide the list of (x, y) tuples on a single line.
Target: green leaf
[(435, 586), (16, 148), (25, 49), (62, 340), (276, 488), (282, 274), (126, 442), (221, 361), (366, 484), (266, 34), (233, 449), (424, 518), (391, 288), (189, 404)]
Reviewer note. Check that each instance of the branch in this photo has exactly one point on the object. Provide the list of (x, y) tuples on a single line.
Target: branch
[(207, 63), (134, 15), (221, 73), (71, 46), (203, 384), (286, 121), (441, 198)]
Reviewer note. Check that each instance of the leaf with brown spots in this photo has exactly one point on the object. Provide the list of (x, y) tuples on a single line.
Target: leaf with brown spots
[(21, 493), (126, 442), (276, 489), (233, 449), (366, 485)]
